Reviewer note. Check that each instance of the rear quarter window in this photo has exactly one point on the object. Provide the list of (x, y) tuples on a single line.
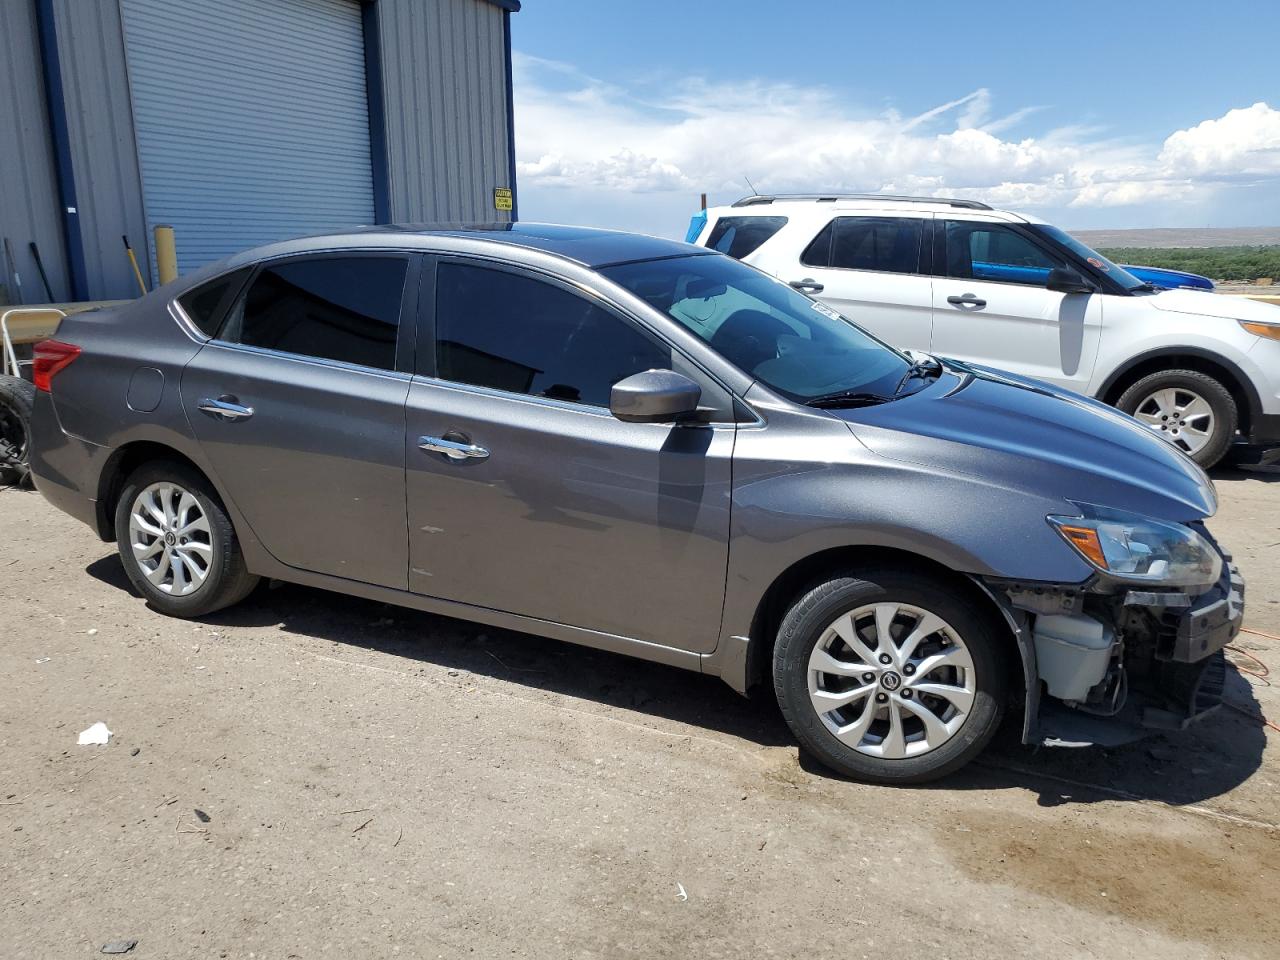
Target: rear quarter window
[(207, 304), (739, 236)]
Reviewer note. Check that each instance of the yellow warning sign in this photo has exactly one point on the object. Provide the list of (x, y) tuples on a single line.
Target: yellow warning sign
[(501, 198)]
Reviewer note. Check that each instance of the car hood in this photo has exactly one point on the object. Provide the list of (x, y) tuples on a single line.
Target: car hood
[(1026, 435), (1206, 303)]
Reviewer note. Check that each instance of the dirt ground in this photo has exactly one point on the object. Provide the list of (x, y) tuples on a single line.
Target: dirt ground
[(310, 775)]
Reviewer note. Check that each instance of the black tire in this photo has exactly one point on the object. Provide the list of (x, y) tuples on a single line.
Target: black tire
[(1226, 417), (805, 625), (17, 397), (226, 582)]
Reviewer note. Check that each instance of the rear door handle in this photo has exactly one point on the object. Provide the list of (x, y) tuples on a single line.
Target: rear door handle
[(226, 407), (453, 449), (807, 285), (968, 300)]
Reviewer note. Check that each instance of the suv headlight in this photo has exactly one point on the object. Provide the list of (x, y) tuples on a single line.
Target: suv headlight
[(1132, 547)]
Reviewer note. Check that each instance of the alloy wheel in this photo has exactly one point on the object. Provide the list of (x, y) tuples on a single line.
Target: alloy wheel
[(1181, 415), (171, 538), (891, 680)]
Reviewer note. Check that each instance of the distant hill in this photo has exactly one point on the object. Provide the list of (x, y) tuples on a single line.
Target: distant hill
[(1182, 237)]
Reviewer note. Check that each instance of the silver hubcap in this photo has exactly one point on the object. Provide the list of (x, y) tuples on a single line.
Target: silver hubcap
[(171, 540), (891, 680), (1180, 415)]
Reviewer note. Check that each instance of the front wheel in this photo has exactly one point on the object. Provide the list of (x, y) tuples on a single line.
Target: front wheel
[(177, 542), (890, 678), (1190, 409)]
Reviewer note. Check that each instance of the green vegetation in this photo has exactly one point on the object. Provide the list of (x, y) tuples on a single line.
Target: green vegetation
[(1217, 263)]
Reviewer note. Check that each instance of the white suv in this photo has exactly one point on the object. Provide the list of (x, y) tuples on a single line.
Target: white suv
[(959, 279)]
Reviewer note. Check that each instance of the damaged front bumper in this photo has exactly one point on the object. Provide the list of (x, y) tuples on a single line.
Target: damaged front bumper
[(1106, 664)]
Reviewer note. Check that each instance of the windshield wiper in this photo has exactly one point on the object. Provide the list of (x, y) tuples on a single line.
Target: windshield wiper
[(921, 367), (847, 398)]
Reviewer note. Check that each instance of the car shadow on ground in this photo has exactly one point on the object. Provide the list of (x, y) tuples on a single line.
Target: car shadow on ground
[(1206, 761)]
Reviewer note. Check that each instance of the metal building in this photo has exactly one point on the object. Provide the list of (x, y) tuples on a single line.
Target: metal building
[(239, 122)]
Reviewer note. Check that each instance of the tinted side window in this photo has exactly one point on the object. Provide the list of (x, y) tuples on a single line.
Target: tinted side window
[(207, 304), (739, 236), (333, 308), (987, 251), (514, 333), (889, 244)]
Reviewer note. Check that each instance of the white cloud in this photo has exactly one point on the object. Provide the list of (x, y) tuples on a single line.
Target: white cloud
[(588, 142), (1241, 143)]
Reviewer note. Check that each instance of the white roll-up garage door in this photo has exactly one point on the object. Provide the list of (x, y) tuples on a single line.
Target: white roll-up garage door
[(252, 120)]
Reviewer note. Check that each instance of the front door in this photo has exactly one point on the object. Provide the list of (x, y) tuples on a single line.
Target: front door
[(991, 306), (299, 408), (868, 268), (526, 496)]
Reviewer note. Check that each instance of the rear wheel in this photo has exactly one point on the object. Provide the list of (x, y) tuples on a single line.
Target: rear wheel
[(177, 544), (1190, 409), (889, 678), (17, 397)]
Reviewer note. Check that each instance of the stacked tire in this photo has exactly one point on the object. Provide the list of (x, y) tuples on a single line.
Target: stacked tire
[(16, 399)]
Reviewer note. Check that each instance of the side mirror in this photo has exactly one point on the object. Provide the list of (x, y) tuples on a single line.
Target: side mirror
[(655, 396), (1066, 280)]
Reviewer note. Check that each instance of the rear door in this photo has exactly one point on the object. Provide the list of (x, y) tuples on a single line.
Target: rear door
[(869, 267), (557, 510), (298, 405), (991, 305)]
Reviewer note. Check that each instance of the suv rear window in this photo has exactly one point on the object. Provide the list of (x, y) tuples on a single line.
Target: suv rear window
[(886, 244), (739, 236)]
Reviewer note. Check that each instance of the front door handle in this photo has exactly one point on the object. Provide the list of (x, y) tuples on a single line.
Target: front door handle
[(968, 300), (453, 449), (226, 407), (807, 285)]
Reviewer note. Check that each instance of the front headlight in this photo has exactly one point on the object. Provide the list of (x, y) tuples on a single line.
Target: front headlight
[(1131, 547)]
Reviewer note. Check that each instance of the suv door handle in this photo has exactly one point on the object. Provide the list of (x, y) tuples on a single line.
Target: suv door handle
[(453, 449), (967, 300), (807, 285), (226, 407)]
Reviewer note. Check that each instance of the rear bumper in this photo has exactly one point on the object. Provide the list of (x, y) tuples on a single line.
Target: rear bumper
[(66, 469)]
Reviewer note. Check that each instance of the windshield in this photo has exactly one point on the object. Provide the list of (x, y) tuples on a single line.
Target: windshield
[(1117, 273), (794, 345)]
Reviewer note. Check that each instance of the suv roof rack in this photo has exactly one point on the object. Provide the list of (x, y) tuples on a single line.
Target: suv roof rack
[(830, 197)]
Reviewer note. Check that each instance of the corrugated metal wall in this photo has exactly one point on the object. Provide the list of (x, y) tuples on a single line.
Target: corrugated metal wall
[(444, 70), (29, 207), (103, 153), (444, 83), (252, 120)]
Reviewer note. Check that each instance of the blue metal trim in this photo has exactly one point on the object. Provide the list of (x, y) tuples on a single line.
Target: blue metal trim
[(379, 162), (55, 101), (509, 6), (508, 9)]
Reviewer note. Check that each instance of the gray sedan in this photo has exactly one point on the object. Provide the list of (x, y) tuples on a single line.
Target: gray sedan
[(650, 448)]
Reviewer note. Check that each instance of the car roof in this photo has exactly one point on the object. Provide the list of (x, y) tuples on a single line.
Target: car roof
[(589, 246), (818, 203)]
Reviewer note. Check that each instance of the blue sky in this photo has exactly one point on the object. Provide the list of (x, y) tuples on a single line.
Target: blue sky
[(1089, 114)]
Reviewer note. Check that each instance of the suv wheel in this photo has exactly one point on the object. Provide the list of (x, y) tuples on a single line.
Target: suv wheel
[(892, 678), (1190, 409), (177, 543)]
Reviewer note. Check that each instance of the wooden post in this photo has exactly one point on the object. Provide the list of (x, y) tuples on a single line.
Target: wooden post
[(704, 201)]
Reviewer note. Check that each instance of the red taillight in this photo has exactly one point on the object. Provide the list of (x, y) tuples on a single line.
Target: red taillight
[(48, 357)]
